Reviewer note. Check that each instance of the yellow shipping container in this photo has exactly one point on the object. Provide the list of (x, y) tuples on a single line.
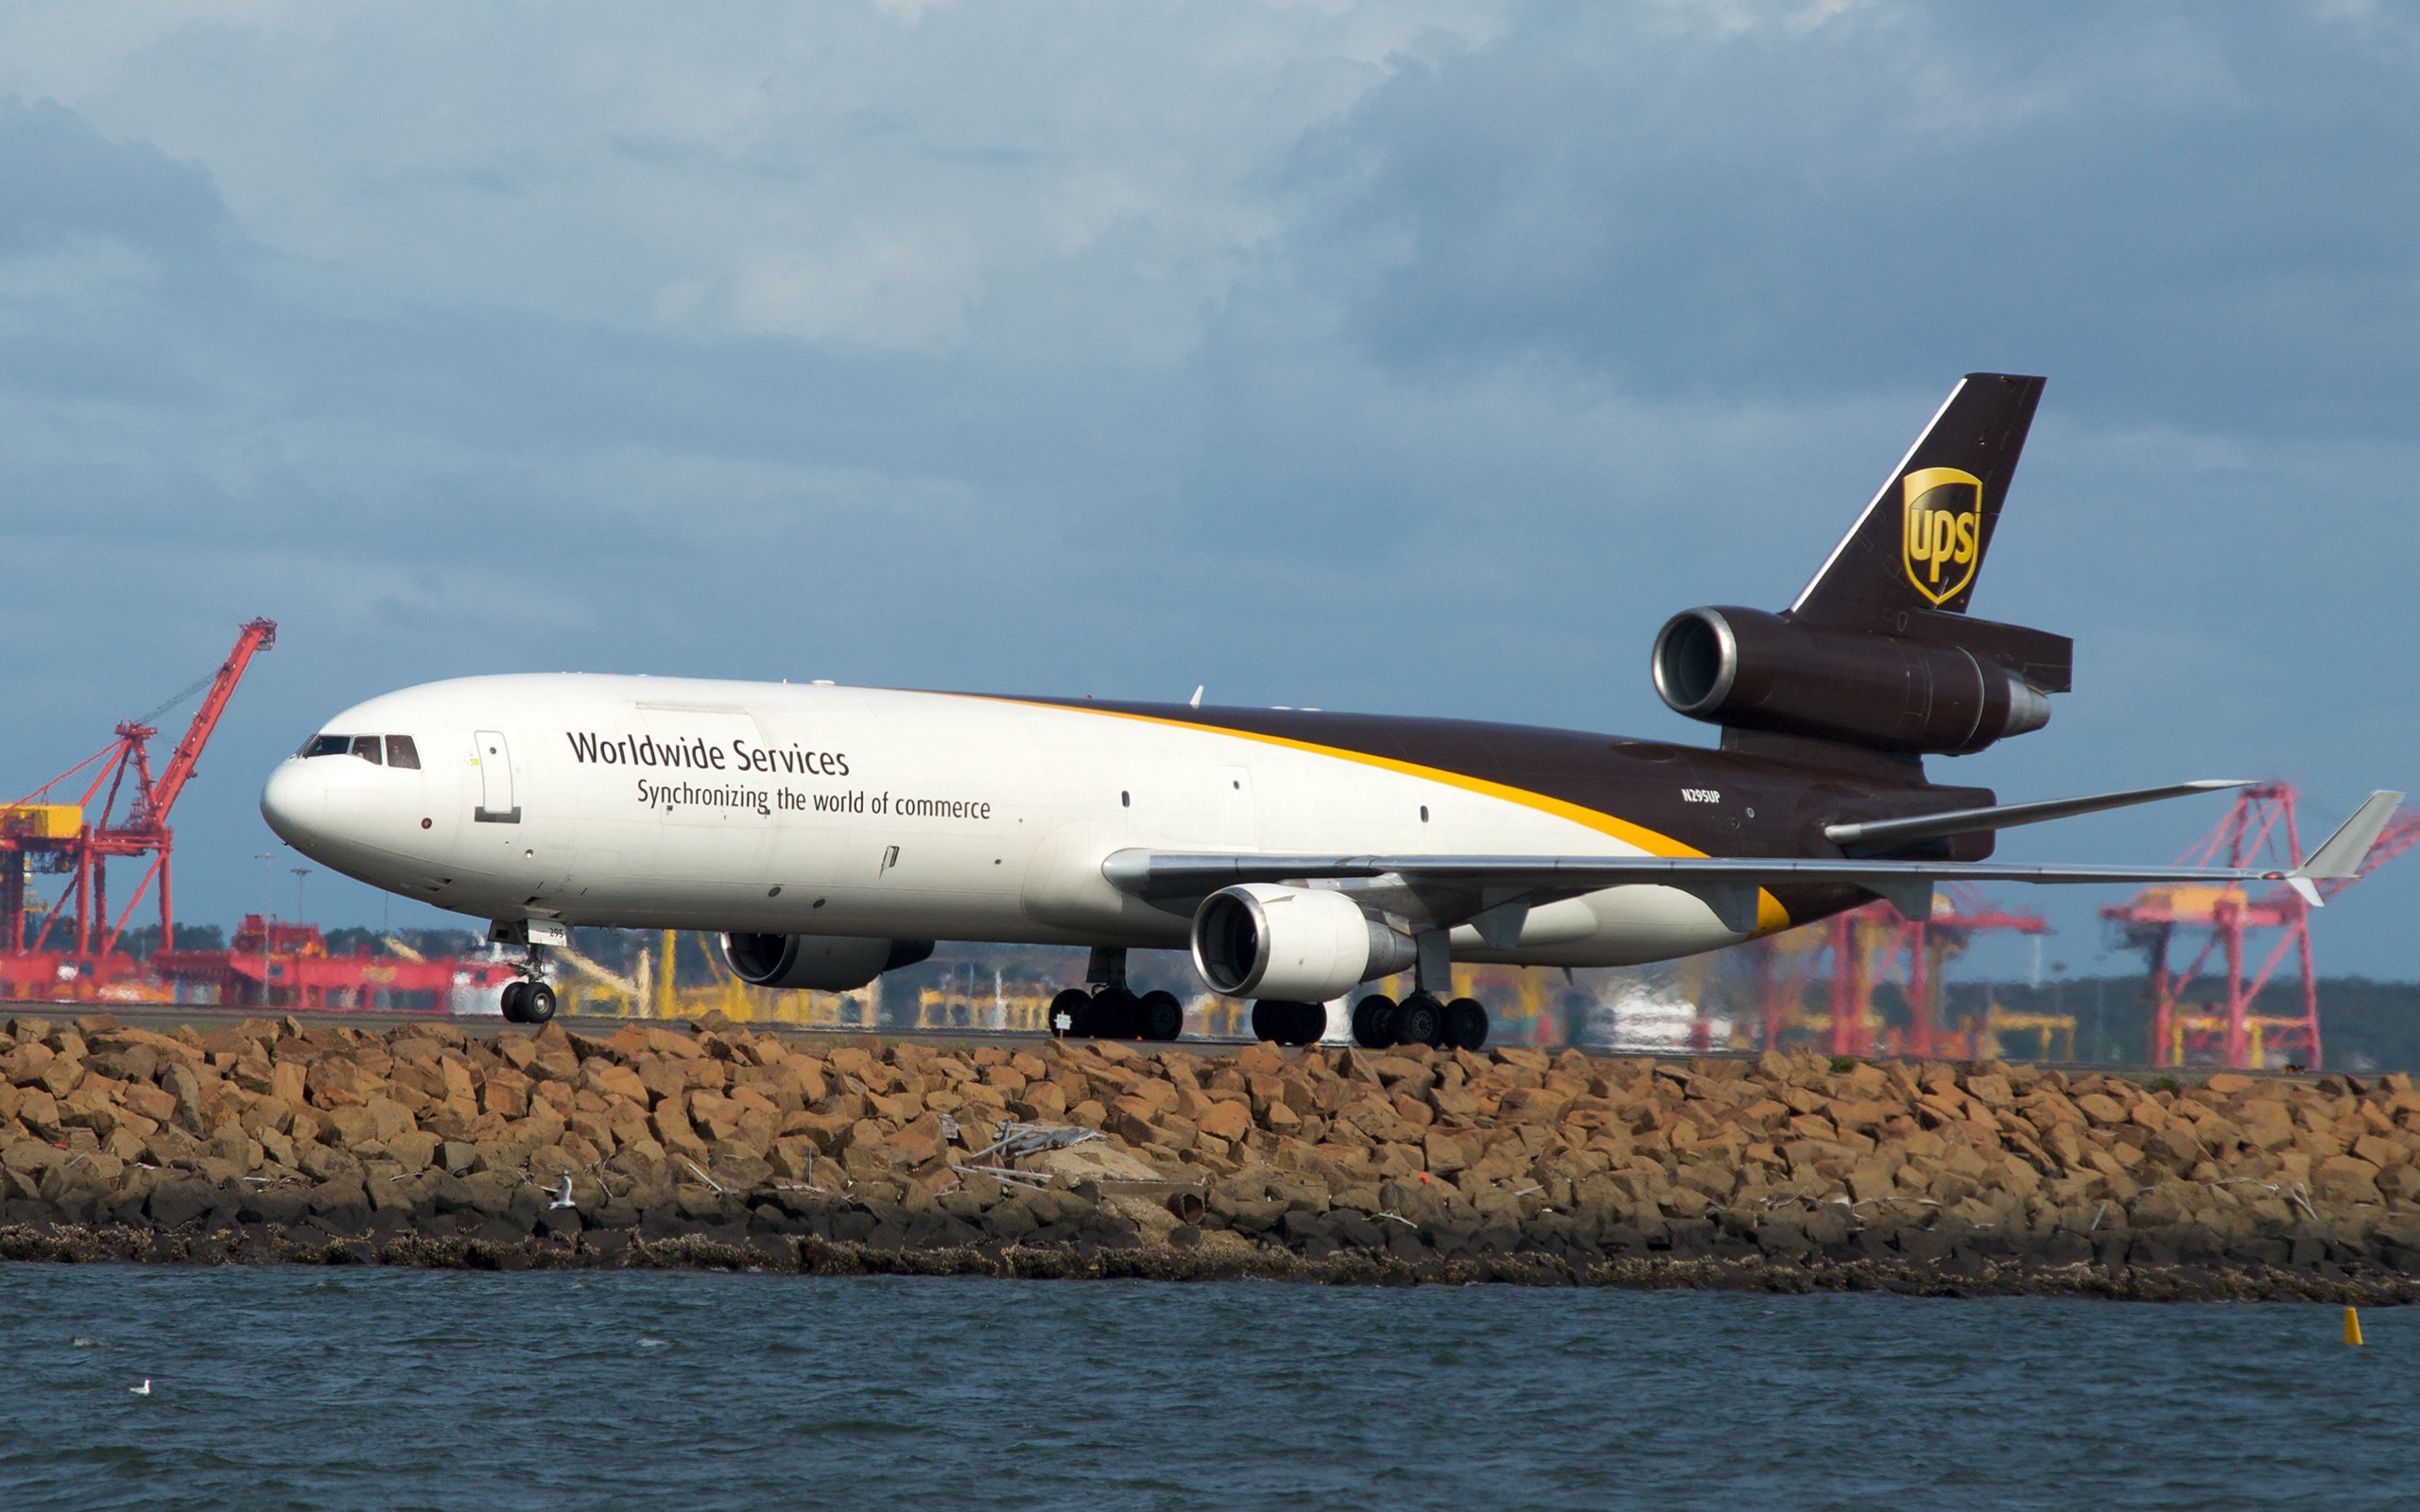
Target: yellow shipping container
[(42, 821)]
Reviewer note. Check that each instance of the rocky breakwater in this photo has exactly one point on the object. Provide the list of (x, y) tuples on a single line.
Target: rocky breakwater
[(710, 1144)]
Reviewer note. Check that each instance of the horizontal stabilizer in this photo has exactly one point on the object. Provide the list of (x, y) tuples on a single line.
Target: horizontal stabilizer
[(2340, 857), (1883, 834)]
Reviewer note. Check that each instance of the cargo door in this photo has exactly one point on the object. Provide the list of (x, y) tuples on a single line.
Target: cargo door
[(494, 760)]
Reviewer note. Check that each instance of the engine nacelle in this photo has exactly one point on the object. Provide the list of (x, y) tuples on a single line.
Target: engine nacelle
[(1746, 669), (1294, 944), (819, 963)]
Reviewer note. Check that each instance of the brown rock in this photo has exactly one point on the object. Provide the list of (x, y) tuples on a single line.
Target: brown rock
[(1533, 1105), (673, 1131), (1226, 1120), (802, 1074), (1261, 1059), (2382, 1153), (1129, 1119), (2345, 1178), (505, 1094), (1990, 1090), (2176, 1145), (321, 1164), (2266, 1124), (900, 1106), (153, 1103), (1444, 1153), (413, 1150), (609, 1080), (2101, 1108), (181, 1081), (1872, 1181), (60, 1076)]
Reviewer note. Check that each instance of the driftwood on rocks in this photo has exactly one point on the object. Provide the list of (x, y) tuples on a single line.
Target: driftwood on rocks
[(710, 1144)]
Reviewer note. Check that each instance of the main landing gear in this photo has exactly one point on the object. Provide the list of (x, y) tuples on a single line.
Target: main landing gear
[(1379, 1021), (1109, 1009)]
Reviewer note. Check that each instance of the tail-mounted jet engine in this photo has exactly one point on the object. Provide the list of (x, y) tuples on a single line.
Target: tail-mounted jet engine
[(1745, 669), (821, 963), (1292, 944)]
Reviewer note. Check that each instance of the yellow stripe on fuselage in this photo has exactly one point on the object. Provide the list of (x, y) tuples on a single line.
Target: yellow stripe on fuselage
[(1771, 916)]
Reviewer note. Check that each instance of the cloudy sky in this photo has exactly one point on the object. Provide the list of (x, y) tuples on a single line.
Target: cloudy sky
[(1416, 358)]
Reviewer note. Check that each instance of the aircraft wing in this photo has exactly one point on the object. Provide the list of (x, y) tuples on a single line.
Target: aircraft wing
[(1728, 885)]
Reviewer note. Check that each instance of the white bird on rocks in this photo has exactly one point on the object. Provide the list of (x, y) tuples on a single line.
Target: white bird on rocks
[(563, 1198), (143, 1390)]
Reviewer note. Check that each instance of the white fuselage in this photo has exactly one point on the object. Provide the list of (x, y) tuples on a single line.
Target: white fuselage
[(780, 808)]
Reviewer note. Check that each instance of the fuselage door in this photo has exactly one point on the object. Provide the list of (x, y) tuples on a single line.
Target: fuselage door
[(494, 760)]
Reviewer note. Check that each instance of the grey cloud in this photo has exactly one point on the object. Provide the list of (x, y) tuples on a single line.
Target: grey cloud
[(59, 178), (2207, 215)]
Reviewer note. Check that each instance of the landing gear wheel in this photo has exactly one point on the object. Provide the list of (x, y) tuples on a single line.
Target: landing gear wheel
[(1116, 1012), (1465, 1024), (510, 1000), (1076, 1007), (537, 1003), (1420, 1019), (1163, 1016), (1373, 1022), (1288, 1024), (1310, 1023)]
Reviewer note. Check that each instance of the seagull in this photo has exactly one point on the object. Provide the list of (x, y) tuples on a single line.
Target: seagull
[(143, 1390), (563, 1198)]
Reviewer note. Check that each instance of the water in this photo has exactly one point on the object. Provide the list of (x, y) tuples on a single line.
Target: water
[(292, 1387)]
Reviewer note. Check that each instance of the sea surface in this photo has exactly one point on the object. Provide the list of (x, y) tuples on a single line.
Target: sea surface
[(297, 1387)]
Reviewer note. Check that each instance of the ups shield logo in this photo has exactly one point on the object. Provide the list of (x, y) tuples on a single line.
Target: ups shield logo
[(1942, 540)]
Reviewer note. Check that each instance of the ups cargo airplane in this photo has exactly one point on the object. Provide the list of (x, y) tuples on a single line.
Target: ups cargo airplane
[(830, 833)]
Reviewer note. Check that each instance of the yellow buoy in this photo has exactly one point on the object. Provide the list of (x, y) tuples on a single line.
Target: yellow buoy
[(2352, 1325)]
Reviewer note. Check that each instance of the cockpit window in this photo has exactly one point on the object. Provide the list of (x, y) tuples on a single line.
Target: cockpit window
[(389, 750)]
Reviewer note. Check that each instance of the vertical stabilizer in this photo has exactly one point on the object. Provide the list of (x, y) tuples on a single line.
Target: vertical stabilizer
[(1918, 548)]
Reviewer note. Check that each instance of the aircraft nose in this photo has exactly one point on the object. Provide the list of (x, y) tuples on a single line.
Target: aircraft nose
[(295, 803)]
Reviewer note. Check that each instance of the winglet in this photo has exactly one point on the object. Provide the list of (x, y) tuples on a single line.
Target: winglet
[(2340, 858)]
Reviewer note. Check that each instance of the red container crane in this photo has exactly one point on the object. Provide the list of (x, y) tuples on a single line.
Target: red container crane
[(74, 840), (2258, 831)]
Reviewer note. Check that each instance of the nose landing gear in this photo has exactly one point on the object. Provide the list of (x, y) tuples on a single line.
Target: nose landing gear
[(529, 1000)]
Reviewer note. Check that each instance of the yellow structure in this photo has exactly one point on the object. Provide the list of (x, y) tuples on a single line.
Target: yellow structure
[(1998, 1021), (42, 821)]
